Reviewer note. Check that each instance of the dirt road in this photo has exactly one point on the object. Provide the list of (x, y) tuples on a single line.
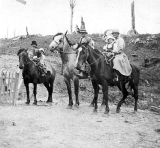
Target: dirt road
[(54, 126)]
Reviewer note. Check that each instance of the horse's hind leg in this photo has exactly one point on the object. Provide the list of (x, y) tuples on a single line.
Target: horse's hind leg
[(125, 94), (76, 90), (35, 93), (135, 88), (68, 83), (27, 91), (50, 90)]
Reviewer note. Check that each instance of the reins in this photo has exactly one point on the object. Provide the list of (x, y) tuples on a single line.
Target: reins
[(63, 45), (95, 60)]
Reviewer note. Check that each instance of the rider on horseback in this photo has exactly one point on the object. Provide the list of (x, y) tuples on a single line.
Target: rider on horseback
[(114, 47), (37, 55), (86, 40)]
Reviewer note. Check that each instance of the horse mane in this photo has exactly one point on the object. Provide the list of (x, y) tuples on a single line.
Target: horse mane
[(21, 50), (69, 42), (57, 34), (86, 45)]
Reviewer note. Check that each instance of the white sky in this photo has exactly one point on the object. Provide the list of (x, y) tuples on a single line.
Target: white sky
[(48, 17)]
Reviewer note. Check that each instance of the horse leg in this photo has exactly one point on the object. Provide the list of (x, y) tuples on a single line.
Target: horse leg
[(68, 83), (105, 96), (96, 91), (94, 86), (50, 90), (35, 93), (27, 91), (135, 88), (125, 94), (76, 90)]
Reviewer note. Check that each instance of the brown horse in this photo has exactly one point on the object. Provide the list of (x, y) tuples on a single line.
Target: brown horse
[(102, 74), (68, 56), (31, 74)]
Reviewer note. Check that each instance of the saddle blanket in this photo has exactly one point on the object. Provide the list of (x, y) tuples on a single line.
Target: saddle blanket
[(122, 64)]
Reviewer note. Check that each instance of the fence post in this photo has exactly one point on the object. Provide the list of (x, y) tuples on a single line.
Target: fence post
[(1, 85), (15, 88)]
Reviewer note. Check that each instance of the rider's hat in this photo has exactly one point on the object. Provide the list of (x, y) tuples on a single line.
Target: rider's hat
[(34, 43), (115, 31), (83, 29)]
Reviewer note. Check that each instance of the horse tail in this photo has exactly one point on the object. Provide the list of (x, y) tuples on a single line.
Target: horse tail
[(135, 77)]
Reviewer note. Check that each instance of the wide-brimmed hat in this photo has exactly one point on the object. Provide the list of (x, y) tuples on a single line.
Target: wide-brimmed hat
[(115, 31), (34, 43), (83, 31), (83, 28)]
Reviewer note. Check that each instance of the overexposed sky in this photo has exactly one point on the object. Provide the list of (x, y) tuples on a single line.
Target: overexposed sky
[(48, 17)]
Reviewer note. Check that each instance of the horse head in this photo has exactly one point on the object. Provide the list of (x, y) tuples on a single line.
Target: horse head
[(23, 57), (59, 41), (82, 55)]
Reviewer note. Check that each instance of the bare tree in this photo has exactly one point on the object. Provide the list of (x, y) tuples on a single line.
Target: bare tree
[(27, 31), (133, 18), (72, 5)]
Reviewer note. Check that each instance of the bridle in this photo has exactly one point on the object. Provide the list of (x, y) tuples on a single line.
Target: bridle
[(26, 62), (88, 55), (60, 51)]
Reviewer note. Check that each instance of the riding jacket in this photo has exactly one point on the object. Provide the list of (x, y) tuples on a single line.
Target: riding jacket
[(87, 39)]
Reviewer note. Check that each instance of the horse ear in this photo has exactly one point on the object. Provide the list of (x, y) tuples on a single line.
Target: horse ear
[(66, 32), (26, 49)]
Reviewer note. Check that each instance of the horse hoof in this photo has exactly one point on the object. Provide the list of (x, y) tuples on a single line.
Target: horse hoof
[(135, 111), (69, 107), (27, 103), (35, 103), (48, 101), (106, 112), (76, 105), (118, 111), (95, 111), (102, 105), (91, 105)]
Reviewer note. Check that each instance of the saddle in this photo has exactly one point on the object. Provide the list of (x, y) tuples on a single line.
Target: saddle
[(108, 59), (119, 62), (41, 68)]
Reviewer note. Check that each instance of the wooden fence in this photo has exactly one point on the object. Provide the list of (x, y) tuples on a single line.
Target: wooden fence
[(10, 83)]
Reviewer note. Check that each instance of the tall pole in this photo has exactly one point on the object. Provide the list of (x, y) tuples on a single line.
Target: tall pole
[(133, 16), (72, 5)]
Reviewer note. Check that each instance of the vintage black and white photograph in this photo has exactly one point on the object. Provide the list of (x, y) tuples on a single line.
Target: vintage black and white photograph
[(79, 73)]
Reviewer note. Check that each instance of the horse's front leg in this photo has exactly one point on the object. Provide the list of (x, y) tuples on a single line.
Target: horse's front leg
[(68, 83), (105, 96), (27, 91), (96, 91), (76, 90), (35, 93)]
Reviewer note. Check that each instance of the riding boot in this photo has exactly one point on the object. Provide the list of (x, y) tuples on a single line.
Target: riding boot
[(115, 77)]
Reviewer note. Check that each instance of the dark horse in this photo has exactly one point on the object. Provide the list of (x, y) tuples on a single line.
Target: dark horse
[(68, 56), (102, 73), (31, 75)]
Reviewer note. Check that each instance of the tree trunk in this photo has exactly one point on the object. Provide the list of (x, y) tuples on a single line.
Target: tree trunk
[(133, 16), (71, 19), (27, 31)]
